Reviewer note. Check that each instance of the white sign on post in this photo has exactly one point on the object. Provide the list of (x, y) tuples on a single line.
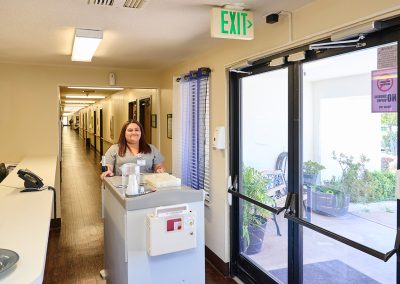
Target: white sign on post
[(232, 24)]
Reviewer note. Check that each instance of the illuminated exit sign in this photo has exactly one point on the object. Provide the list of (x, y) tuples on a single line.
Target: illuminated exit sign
[(232, 24)]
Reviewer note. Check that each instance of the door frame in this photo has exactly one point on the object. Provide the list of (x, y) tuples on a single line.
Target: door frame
[(132, 110), (94, 131), (101, 132), (240, 267), (143, 119)]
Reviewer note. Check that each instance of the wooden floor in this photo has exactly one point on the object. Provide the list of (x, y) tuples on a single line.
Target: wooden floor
[(75, 252)]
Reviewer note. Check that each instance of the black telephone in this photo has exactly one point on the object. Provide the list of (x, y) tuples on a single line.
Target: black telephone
[(32, 181)]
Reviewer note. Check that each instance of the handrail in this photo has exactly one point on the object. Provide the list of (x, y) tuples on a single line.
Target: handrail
[(383, 256), (291, 215), (262, 205)]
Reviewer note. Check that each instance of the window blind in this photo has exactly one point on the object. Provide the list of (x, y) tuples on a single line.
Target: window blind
[(191, 158)]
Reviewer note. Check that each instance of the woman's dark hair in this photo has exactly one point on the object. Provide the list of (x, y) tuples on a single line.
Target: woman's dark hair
[(143, 146)]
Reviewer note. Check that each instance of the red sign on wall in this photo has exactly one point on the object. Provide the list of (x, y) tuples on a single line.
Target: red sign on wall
[(384, 90)]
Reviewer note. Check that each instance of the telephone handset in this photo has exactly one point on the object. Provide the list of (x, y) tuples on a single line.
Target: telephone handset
[(31, 181)]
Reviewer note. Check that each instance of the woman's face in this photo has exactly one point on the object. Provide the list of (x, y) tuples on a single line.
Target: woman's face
[(132, 133)]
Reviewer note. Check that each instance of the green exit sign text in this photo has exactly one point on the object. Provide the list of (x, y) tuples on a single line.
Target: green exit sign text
[(232, 24)]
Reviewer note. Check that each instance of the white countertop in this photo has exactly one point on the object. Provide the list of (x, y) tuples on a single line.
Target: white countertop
[(25, 220), (161, 197)]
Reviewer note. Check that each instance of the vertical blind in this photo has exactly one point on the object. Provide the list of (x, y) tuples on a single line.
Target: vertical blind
[(191, 133)]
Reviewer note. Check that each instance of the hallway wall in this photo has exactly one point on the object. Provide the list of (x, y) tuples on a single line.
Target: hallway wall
[(117, 105), (29, 116), (29, 106), (312, 22)]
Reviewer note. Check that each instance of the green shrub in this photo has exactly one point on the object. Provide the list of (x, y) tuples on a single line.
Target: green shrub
[(363, 186), (312, 168), (383, 185), (354, 179)]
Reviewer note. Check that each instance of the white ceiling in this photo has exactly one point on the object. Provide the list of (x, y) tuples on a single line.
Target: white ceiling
[(158, 35)]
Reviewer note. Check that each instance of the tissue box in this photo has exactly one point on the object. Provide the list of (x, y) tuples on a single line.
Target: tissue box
[(162, 180)]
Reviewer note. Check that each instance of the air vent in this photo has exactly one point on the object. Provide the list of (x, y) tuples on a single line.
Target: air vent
[(135, 4), (101, 2)]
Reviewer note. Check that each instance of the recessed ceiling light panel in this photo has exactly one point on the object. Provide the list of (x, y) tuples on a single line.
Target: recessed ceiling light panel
[(85, 44)]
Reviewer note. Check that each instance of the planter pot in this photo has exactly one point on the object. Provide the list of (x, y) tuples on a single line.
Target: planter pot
[(328, 204), (256, 234), (310, 178)]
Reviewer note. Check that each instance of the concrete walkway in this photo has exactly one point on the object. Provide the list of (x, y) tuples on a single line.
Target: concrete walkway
[(372, 225)]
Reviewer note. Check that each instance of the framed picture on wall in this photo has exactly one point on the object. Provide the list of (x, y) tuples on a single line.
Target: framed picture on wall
[(169, 125), (154, 121), (112, 128)]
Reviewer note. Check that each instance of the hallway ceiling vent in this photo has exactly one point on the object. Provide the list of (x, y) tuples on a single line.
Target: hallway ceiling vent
[(135, 4)]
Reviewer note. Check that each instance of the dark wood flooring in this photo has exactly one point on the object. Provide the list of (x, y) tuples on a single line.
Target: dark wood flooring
[(75, 252)]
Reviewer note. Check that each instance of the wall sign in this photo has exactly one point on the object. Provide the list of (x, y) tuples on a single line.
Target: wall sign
[(112, 128), (384, 90), (232, 24)]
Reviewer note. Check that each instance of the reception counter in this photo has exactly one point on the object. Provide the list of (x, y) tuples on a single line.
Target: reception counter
[(25, 220), (127, 222)]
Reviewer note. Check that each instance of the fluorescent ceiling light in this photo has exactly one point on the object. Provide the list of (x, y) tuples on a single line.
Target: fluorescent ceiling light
[(72, 108), (75, 105), (85, 97), (80, 102), (96, 88), (85, 44)]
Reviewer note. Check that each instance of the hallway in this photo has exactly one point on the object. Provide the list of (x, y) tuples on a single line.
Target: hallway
[(75, 253)]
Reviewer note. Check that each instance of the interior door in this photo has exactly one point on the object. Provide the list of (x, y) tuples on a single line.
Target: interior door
[(101, 132), (145, 117), (95, 131), (132, 110)]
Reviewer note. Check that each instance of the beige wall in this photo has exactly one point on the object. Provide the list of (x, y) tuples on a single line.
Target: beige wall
[(29, 103), (313, 21), (29, 118), (117, 105)]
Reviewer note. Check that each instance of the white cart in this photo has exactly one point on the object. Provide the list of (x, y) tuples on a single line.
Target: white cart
[(145, 245)]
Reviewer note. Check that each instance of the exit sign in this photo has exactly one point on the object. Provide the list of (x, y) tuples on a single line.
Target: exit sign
[(232, 24)]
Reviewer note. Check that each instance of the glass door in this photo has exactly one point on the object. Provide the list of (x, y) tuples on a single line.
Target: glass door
[(318, 139), (262, 173), (349, 154)]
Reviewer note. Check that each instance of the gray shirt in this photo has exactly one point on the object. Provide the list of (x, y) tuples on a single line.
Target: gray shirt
[(151, 159)]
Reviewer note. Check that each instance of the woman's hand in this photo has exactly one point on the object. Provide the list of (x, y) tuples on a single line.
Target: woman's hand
[(159, 168), (106, 174)]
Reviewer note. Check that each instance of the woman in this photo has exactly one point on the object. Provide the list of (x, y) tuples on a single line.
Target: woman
[(132, 148)]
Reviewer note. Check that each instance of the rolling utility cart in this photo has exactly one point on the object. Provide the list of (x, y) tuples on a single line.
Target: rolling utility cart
[(155, 237)]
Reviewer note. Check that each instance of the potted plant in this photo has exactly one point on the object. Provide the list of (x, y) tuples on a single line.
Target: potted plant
[(254, 218), (311, 170), (334, 197), (326, 200)]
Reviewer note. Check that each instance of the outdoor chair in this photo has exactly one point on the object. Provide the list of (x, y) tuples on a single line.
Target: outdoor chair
[(277, 186)]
